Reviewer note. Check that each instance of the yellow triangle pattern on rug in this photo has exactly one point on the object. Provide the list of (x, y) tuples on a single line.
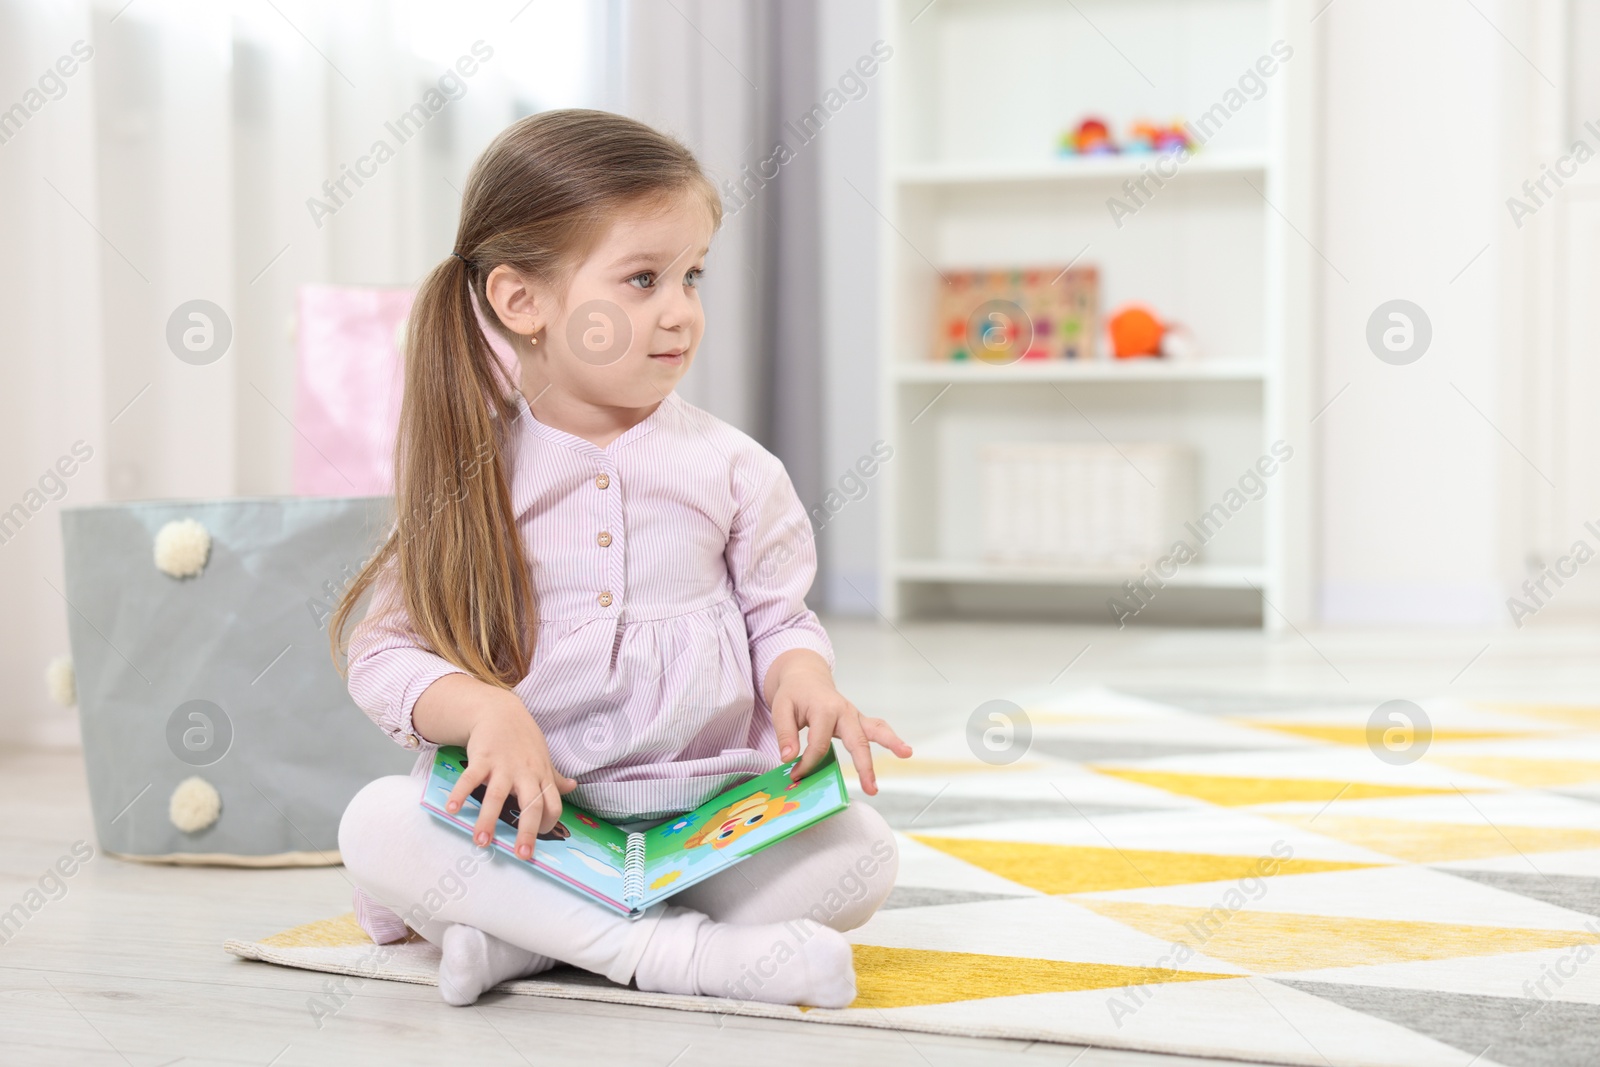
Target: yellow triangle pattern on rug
[(1085, 869), (1524, 771), (1235, 792), (341, 931), (1440, 842), (907, 977), (1362, 735), (1274, 942)]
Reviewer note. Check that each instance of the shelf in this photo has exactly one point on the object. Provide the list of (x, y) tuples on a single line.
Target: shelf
[(1198, 576), (969, 179), (1099, 370), (1073, 169)]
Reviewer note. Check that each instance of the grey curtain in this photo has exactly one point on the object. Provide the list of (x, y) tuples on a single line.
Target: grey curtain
[(732, 78)]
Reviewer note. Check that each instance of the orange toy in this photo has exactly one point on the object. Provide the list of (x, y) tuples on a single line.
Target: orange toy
[(1135, 332)]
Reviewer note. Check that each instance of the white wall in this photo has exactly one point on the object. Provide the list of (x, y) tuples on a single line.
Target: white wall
[(1415, 483)]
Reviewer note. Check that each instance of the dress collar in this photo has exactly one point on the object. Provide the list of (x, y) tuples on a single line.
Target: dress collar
[(531, 424)]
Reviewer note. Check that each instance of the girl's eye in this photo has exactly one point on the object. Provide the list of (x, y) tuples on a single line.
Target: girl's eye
[(692, 279), (648, 275)]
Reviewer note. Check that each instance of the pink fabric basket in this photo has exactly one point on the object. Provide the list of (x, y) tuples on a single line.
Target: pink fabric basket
[(349, 379)]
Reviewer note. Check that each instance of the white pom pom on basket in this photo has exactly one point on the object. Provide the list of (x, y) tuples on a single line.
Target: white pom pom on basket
[(182, 547)]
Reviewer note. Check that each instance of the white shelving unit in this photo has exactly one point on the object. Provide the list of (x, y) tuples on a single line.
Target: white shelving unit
[(977, 92)]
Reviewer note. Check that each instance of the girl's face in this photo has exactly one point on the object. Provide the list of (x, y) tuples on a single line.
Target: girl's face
[(629, 324)]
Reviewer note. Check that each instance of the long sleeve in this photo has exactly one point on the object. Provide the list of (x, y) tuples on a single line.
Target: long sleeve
[(772, 559), (389, 667)]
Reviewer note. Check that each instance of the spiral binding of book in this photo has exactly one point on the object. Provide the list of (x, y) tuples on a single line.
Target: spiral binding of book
[(633, 870)]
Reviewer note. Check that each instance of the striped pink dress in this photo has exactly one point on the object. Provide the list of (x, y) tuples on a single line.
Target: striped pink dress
[(670, 569)]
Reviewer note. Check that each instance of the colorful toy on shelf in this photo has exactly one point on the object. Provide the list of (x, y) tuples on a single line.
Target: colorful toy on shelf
[(1178, 343), (1136, 332), (1002, 316), (1153, 137), (1091, 138)]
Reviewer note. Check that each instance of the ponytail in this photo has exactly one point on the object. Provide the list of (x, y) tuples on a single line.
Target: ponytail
[(463, 579)]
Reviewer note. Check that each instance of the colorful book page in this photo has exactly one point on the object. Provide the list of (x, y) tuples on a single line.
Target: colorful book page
[(581, 849), (737, 823)]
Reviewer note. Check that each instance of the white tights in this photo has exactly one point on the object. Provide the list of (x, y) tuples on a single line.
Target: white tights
[(719, 937)]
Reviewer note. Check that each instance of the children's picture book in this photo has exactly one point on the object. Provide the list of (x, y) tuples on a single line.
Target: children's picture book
[(631, 871)]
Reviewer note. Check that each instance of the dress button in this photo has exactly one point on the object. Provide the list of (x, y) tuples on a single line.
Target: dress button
[(605, 600), (602, 480), (604, 540), (411, 741)]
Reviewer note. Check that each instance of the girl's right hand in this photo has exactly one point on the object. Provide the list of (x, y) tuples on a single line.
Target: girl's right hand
[(506, 749)]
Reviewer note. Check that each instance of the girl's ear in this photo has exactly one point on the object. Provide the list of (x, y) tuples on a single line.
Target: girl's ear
[(516, 301)]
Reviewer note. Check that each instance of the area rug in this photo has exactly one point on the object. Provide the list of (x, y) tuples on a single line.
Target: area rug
[(1279, 879)]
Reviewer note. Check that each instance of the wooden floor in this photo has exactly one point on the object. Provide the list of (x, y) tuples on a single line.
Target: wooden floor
[(127, 970)]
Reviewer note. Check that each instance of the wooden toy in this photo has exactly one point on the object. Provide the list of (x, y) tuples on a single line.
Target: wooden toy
[(1027, 313)]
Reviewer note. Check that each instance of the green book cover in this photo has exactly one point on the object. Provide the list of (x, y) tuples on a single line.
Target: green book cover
[(632, 871)]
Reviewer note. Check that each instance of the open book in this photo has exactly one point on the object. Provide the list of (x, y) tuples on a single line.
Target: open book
[(632, 871)]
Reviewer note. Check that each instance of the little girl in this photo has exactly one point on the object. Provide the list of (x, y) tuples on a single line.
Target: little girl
[(596, 588)]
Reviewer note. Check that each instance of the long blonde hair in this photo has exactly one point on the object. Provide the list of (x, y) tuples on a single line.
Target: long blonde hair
[(537, 200)]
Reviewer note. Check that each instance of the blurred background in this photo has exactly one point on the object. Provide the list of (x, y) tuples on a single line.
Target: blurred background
[(1023, 292)]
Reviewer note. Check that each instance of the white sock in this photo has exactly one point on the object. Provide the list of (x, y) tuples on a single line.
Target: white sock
[(472, 962), (795, 962)]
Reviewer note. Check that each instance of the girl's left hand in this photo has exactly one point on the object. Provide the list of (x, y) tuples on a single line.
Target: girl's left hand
[(806, 697)]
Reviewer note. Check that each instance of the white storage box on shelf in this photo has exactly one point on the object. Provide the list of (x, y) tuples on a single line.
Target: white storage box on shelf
[(1095, 507)]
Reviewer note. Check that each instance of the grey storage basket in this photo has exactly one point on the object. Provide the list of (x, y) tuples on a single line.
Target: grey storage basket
[(225, 675)]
